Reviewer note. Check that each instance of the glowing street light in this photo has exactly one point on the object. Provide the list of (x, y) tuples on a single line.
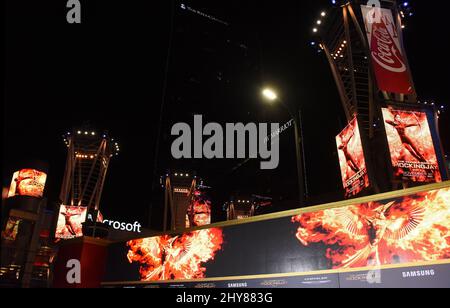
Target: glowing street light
[(270, 95)]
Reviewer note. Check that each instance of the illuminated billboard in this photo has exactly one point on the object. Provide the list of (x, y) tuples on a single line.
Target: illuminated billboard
[(175, 257), (70, 221), (28, 182), (411, 146), (351, 160), (333, 246), (199, 210), (389, 62), (11, 229)]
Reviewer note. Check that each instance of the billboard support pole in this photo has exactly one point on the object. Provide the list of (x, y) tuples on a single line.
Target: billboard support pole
[(298, 148)]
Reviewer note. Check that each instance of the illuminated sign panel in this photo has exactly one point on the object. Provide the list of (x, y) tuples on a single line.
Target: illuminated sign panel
[(199, 210), (389, 62), (28, 182), (11, 229), (411, 146), (70, 221), (352, 160), (402, 232)]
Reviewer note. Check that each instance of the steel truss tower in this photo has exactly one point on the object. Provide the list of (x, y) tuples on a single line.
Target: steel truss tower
[(342, 37), (178, 193), (88, 158)]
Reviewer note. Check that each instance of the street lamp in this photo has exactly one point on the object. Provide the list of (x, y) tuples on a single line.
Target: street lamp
[(271, 96)]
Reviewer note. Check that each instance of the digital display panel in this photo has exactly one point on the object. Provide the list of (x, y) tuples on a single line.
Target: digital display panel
[(351, 160), (28, 182), (411, 146), (70, 221), (409, 230)]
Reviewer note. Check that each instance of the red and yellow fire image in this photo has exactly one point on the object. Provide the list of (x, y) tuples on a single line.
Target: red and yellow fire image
[(11, 229), (411, 146), (410, 229), (199, 210), (175, 257), (70, 221), (28, 182), (351, 159)]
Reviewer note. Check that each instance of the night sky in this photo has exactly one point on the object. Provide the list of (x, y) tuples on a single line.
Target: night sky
[(108, 72)]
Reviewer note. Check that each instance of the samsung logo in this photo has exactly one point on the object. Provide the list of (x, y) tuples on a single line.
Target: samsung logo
[(423, 273), (237, 285)]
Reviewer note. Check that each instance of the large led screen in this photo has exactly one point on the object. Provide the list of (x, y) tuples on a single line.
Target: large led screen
[(400, 235), (199, 210), (70, 221), (28, 182)]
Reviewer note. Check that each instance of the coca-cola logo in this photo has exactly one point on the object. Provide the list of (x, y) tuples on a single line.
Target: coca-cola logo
[(384, 50)]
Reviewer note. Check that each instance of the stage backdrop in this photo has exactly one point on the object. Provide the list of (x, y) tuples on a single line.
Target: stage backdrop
[(399, 239)]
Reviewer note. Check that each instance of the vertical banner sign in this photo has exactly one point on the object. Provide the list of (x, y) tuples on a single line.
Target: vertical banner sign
[(199, 210), (351, 159), (411, 146), (389, 63)]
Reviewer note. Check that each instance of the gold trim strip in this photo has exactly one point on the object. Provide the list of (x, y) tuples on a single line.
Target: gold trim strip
[(283, 275)]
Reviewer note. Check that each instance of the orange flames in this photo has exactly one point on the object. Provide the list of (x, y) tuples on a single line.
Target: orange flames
[(175, 257), (412, 229), (11, 229), (28, 182)]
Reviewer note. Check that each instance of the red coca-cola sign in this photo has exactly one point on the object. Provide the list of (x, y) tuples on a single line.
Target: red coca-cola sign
[(389, 63)]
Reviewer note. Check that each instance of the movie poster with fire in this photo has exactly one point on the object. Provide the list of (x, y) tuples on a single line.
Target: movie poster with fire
[(405, 230), (11, 229), (28, 182), (410, 231), (175, 257), (199, 210), (411, 146), (351, 160), (389, 62), (70, 221)]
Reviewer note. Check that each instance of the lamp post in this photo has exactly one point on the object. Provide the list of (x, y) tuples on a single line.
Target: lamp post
[(272, 97)]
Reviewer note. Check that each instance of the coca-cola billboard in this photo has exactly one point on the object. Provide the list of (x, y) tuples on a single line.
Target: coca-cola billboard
[(389, 62)]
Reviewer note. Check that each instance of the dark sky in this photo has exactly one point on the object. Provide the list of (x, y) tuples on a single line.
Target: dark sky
[(109, 71)]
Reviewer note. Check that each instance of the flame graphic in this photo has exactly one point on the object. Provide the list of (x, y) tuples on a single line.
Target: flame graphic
[(411, 229), (199, 210), (175, 257), (28, 182)]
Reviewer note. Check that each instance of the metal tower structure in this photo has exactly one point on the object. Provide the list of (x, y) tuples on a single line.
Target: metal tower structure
[(88, 158), (341, 34), (363, 43), (178, 193), (240, 209)]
